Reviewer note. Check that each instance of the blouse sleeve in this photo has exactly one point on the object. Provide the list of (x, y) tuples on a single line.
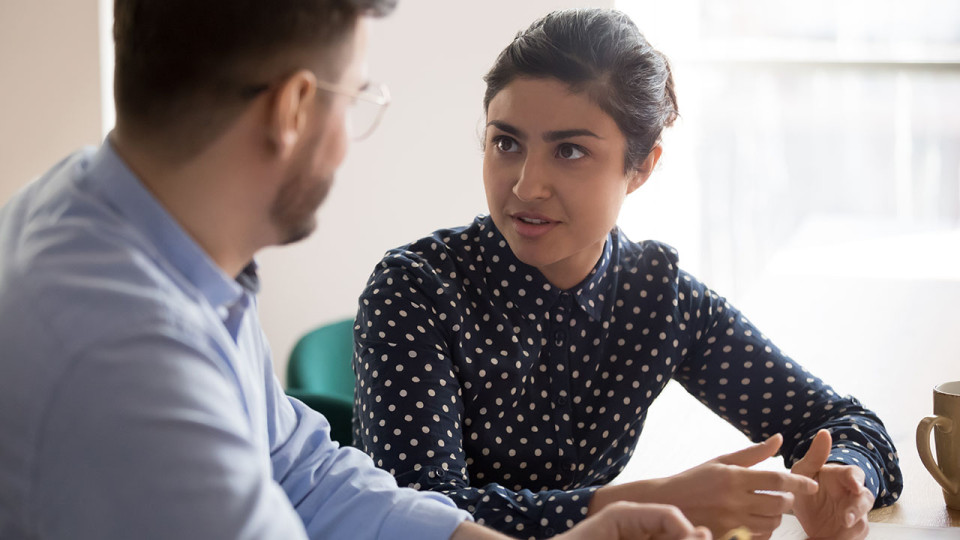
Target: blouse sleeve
[(738, 373), (409, 413)]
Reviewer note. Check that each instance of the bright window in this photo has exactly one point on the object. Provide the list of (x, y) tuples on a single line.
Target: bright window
[(802, 123)]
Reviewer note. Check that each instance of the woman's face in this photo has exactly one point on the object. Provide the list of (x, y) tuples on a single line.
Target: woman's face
[(553, 171)]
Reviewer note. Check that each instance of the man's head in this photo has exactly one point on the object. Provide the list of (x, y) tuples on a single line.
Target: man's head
[(250, 95), (182, 66)]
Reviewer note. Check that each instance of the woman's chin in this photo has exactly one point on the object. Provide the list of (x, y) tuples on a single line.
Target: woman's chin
[(532, 257)]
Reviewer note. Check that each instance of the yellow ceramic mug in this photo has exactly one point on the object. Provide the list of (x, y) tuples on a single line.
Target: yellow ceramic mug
[(946, 418)]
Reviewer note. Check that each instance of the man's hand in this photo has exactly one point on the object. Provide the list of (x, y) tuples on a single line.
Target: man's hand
[(722, 494), (623, 520), (839, 509), (618, 521)]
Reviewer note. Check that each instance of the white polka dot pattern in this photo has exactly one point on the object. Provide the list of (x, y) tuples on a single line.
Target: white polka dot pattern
[(478, 379)]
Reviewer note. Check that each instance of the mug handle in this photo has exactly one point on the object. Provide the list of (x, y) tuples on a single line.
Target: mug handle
[(926, 456)]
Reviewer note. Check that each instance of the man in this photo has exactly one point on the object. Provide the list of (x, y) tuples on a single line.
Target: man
[(137, 396)]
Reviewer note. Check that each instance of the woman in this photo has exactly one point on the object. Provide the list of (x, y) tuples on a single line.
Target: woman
[(510, 363)]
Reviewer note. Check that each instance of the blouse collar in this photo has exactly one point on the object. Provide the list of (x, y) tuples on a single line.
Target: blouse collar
[(533, 294)]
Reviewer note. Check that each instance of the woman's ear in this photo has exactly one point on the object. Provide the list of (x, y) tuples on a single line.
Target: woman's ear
[(290, 110), (640, 175)]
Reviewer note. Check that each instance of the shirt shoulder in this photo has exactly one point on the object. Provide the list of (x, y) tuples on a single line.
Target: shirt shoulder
[(442, 251), (74, 269), (646, 255)]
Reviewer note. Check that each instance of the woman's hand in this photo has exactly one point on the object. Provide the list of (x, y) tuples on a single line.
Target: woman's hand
[(839, 509), (623, 520), (721, 494)]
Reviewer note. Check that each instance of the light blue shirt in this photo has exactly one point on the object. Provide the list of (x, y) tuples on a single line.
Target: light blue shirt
[(137, 395)]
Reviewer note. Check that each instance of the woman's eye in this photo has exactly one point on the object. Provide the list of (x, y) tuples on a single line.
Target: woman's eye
[(505, 144), (570, 151)]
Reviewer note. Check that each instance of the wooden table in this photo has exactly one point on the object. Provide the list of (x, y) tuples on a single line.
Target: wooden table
[(886, 337), (921, 503)]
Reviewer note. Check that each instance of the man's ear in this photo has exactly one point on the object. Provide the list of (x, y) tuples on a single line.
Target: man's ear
[(291, 108), (640, 175)]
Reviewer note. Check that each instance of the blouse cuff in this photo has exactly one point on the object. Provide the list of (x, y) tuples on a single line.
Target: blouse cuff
[(850, 456)]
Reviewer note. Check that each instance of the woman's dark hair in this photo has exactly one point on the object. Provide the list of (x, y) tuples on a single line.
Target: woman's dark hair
[(602, 52)]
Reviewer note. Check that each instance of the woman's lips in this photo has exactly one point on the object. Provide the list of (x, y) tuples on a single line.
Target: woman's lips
[(532, 225)]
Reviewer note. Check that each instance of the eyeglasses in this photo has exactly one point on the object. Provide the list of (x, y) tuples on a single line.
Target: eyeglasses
[(367, 105)]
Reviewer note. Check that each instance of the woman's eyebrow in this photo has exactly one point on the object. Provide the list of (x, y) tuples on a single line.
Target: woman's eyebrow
[(550, 136), (506, 128), (554, 136)]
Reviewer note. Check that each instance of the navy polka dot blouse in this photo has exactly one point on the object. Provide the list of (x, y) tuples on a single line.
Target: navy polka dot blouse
[(478, 379)]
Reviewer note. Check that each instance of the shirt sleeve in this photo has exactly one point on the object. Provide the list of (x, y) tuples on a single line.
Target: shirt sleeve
[(409, 411), (147, 437), (338, 492), (737, 372)]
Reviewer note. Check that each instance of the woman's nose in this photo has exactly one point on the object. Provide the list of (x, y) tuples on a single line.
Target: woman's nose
[(533, 183)]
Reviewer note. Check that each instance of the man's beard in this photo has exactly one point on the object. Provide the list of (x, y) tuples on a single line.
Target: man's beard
[(295, 207)]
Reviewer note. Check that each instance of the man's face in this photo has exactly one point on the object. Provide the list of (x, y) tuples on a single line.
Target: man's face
[(323, 148)]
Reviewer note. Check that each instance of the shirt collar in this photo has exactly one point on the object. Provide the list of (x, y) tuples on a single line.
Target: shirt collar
[(590, 294), (122, 190), (532, 294)]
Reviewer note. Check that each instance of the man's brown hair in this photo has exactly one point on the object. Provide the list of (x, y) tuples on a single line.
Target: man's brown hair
[(181, 65)]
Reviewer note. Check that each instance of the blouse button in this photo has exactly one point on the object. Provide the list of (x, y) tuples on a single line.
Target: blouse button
[(558, 338), (562, 400)]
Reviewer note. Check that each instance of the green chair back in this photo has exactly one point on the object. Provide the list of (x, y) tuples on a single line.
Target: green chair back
[(320, 374), (321, 361)]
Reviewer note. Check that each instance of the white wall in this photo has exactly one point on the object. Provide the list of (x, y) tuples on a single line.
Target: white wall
[(419, 172), (50, 92)]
